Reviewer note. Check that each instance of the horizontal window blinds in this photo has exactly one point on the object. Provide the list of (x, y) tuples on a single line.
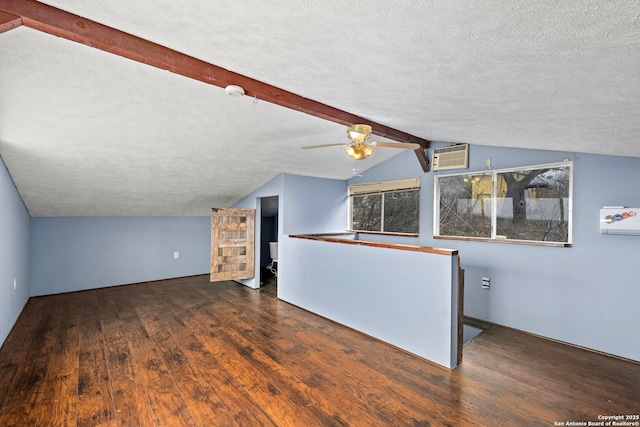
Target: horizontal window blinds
[(384, 187)]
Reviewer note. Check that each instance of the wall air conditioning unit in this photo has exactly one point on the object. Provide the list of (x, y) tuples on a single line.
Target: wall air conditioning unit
[(451, 157), (620, 220)]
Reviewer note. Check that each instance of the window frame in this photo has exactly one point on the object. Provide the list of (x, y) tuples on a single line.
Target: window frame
[(382, 188), (495, 238)]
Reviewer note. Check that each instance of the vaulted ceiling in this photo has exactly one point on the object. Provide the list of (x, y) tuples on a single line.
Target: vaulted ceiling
[(86, 132)]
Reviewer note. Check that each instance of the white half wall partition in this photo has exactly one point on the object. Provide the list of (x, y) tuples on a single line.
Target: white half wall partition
[(404, 295)]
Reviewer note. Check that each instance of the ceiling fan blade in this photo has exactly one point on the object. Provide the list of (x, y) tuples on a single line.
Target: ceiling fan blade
[(306, 147), (406, 145)]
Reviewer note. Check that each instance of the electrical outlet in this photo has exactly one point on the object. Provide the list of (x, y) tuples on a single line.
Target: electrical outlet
[(486, 283), (15, 284), (176, 255)]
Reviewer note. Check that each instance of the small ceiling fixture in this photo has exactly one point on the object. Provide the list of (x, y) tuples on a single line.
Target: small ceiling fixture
[(234, 90), (358, 149)]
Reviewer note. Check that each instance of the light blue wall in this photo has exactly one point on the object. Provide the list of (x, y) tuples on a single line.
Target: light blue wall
[(314, 205), (586, 295), (72, 254), (305, 205), (405, 298), (311, 206), (14, 254)]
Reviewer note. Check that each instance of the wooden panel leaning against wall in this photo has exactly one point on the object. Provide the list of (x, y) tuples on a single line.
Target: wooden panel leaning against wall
[(232, 244)]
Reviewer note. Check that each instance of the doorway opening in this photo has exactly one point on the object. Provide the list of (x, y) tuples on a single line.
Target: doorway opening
[(269, 241)]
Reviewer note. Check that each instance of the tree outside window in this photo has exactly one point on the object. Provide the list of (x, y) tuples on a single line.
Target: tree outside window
[(524, 204)]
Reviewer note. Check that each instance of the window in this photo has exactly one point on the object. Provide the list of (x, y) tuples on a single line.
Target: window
[(385, 207), (529, 204)]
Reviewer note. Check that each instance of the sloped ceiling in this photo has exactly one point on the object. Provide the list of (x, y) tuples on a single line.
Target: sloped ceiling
[(88, 133)]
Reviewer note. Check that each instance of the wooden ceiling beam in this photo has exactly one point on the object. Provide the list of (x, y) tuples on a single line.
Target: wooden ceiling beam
[(9, 21), (63, 24), (422, 156)]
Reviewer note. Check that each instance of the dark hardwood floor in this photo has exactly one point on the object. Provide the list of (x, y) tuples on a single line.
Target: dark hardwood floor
[(186, 352)]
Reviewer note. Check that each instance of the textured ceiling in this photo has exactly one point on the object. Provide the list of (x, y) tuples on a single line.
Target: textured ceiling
[(84, 132)]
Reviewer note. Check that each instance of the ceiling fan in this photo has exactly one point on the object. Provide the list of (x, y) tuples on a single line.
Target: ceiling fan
[(359, 148)]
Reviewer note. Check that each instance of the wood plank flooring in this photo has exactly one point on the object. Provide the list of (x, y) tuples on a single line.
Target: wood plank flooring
[(186, 352)]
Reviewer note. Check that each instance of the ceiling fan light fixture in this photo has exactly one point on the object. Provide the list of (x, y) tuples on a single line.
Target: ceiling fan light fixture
[(234, 90), (358, 132), (358, 151), (351, 151)]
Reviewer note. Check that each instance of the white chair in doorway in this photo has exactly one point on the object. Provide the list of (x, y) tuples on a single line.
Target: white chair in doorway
[(273, 252)]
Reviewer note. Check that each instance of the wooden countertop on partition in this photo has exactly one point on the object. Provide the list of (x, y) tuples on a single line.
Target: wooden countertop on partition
[(329, 238)]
